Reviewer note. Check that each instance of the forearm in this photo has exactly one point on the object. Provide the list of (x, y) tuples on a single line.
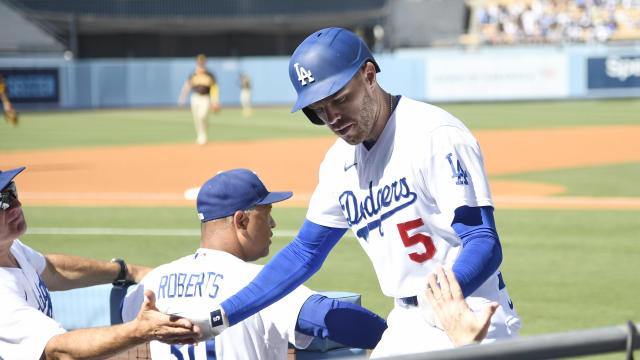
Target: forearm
[(287, 270), (186, 88), (102, 342), (481, 254), (6, 104), (65, 272), (214, 93), (94, 343), (477, 262)]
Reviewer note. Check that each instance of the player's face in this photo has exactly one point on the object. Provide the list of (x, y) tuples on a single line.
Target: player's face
[(12, 222), (351, 113), (260, 231)]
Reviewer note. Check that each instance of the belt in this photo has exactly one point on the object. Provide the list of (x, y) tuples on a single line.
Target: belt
[(411, 300)]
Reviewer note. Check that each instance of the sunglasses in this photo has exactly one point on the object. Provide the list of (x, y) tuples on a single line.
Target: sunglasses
[(8, 194)]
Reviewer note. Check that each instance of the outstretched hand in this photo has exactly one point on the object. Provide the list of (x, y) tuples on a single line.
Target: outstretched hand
[(155, 325), (460, 323)]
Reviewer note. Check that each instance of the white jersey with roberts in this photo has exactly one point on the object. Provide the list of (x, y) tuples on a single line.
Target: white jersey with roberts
[(26, 323), (399, 199), (204, 280)]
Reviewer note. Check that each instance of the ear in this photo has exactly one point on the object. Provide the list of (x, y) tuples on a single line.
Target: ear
[(240, 220), (369, 72)]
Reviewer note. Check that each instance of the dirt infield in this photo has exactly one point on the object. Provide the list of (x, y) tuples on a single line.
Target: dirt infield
[(160, 174)]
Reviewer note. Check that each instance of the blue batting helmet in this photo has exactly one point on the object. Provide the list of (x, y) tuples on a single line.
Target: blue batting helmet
[(323, 64)]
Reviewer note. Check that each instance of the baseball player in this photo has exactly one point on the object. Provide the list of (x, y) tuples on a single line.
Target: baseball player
[(28, 329), (235, 210), (9, 111), (205, 95), (245, 94), (408, 179)]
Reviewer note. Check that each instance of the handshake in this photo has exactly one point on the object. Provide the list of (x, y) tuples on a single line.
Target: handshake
[(211, 324)]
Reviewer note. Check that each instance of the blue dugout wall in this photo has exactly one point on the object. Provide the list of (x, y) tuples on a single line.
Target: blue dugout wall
[(434, 75)]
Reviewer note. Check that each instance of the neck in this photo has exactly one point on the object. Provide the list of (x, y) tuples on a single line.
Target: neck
[(385, 109), (221, 237), (6, 258)]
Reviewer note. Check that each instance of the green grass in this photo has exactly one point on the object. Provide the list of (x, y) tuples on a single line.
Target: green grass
[(545, 114), (568, 270), (63, 129), (619, 180), (67, 129)]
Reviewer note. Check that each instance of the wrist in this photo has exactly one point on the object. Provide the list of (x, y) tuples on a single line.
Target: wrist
[(138, 331)]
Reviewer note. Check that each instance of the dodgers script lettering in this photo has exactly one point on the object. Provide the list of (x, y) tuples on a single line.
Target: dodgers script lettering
[(388, 199)]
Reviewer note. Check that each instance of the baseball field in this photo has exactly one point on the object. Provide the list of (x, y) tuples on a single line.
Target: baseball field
[(564, 176)]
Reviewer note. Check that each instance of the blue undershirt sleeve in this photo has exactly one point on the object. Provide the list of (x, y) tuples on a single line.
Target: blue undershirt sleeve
[(481, 253), (288, 269), (343, 322)]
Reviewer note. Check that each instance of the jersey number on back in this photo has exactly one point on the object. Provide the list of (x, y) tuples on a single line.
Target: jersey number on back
[(418, 238)]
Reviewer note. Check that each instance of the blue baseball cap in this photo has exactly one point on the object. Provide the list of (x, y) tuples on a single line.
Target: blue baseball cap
[(7, 176), (233, 190)]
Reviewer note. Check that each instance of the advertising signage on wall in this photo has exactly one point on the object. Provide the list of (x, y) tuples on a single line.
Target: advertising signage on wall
[(613, 72), (504, 77), (25, 85)]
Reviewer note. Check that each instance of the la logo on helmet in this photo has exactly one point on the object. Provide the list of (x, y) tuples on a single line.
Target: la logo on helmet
[(303, 74)]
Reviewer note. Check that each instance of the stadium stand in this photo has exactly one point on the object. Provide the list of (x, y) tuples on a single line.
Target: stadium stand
[(509, 22), (29, 39)]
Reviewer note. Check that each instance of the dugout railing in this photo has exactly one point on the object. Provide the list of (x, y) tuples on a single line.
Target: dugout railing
[(551, 346)]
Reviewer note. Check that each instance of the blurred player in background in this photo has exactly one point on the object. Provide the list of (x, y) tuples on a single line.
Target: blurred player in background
[(245, 94), (205, 95), (9, 111), (408, 178), (235, 210), (27, 327)]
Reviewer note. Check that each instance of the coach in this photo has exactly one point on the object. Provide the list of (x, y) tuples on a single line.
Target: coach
[(27, 327)]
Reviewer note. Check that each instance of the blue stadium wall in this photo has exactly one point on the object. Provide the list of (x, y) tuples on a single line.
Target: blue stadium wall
[(434, 75)]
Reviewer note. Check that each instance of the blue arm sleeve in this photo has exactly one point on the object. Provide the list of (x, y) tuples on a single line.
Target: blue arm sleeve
[(289, 268), (343, 322), (481, 253)]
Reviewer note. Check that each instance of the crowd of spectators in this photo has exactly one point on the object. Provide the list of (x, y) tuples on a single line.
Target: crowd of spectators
[(556, 21)]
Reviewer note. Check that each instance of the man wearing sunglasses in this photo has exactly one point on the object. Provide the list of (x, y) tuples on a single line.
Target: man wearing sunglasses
[(27, 327)]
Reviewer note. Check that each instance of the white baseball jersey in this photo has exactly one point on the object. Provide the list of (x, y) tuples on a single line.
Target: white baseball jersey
[(399, 198), (26, 323), (204, 280)]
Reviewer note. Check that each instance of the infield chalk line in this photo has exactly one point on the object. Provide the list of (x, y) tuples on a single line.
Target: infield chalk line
[(566, 200), (138, 232), (101, 196)]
